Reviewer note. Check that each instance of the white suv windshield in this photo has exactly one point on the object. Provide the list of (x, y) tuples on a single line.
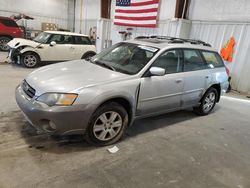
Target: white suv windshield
[(42, 38), (126, 58)]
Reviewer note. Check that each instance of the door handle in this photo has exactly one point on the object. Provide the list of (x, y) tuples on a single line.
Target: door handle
[(178, 81), (207, 77)]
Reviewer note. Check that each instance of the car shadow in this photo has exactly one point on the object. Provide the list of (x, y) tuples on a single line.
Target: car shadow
[(157, 122), (53, 143)]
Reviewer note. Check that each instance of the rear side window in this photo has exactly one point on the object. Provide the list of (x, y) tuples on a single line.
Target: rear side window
[(8, 23), (81, 40), (193, 60), (213, 59)]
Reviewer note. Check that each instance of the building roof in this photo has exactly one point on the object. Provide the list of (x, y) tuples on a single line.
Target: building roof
[(6, 18)]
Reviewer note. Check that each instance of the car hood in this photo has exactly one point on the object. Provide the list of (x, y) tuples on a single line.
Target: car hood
[(17, 42), (71, 76)]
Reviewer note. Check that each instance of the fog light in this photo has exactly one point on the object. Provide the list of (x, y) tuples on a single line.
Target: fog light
[(49, 126), (52, 125)]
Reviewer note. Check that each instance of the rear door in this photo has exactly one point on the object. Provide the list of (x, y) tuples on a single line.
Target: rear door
[(162, 93), (196, 77), (82, 44)]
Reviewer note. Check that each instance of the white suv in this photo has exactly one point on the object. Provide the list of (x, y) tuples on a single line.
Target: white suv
[(50, 46)]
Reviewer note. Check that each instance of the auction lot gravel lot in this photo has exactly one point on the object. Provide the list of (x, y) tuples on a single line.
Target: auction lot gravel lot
[(179, 149)]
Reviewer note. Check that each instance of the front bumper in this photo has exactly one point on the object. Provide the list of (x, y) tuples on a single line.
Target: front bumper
[(66, 120), (14, 56)]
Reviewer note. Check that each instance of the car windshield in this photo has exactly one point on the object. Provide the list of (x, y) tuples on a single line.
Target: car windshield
[(127, 58), (42, 37)]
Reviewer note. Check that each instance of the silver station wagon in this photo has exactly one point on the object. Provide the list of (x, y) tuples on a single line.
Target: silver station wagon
[(100, 97)]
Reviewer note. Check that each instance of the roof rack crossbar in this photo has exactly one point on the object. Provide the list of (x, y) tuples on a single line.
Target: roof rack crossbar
[(174, 39)]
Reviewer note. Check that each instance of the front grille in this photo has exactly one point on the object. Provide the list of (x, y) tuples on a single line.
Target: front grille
[(28, 90)]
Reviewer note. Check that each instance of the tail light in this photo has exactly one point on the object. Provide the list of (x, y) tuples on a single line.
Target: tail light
[(21, 29), (21, 32)]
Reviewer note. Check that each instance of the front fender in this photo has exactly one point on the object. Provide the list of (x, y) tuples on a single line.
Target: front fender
[(95, 96), (29, 49)]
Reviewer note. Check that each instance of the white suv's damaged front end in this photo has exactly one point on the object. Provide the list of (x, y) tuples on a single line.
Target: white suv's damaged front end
[(18, 46)]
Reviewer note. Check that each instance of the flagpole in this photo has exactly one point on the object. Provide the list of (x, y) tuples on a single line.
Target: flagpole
[(81, 16), (184, 8)]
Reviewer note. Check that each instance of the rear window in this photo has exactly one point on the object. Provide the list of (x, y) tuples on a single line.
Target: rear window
[(8, 23), (213, 59), (82, 40)]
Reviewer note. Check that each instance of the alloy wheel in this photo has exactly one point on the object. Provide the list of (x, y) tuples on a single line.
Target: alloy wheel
[(30, 60), (3, 44), (107, 126), (209, 102)]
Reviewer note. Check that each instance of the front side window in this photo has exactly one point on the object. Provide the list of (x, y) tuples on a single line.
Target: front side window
[(126, 58), (170, 61), (213, 59), (68, 39), (61, 39), (193, 60)]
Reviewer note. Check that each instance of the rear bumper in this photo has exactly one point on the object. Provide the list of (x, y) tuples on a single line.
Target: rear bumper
[(66, 120), (224, 87)]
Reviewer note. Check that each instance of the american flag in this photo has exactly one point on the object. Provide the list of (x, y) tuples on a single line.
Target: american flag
[(136, 13)]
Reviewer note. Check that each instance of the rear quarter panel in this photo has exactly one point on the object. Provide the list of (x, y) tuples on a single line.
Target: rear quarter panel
[(219, 76)]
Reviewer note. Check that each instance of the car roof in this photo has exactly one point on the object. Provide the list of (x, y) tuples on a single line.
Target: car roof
[(65, 33), (6, 18), (171, 42)]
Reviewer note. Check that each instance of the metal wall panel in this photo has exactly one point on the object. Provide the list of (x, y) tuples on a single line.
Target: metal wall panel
[(86, 25), (217, 34), (166, 27)]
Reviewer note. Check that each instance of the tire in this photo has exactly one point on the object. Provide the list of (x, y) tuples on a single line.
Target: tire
[(229, 88), (3, 43), (103, 131), (208, 102), (88, 55), (30, 60)]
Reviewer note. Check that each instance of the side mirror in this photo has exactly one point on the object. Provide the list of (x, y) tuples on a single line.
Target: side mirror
[(157, 71), (52, 43)]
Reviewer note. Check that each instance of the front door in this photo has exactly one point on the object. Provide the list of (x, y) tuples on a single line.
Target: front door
[(162, 93), (63, 49)]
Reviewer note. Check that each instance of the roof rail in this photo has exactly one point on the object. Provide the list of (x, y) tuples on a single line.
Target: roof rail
[(173, 39)]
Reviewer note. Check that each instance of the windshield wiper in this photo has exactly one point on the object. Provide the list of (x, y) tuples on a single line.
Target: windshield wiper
[(104, 65)]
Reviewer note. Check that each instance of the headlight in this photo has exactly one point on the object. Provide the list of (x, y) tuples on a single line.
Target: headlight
[(63, 99)]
